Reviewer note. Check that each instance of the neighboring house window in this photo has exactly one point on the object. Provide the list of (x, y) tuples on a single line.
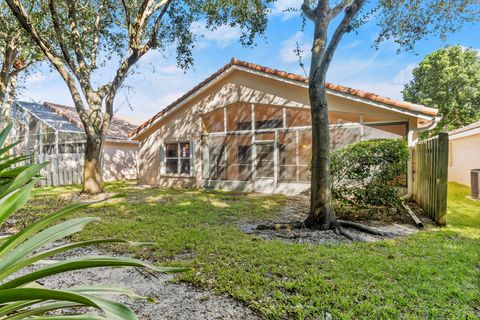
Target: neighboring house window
[(177, 158)]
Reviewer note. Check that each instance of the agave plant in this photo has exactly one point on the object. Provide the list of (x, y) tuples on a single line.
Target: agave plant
[(21, 296)]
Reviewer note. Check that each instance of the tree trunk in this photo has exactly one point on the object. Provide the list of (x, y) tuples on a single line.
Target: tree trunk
[(8, 57), (7, 107), (92, 175), (321, 215)]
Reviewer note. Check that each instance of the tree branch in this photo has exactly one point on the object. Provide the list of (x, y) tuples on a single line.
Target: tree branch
[(140, 20), (127, 16), (96, 35), (77, 48), (24, 19), (308, 11), (116, 84), (83, 75), (61, 41), (341, 29), (339, 8), (153, 38)]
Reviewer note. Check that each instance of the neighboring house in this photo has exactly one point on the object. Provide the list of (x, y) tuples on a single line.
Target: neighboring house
[(464, 153), (54, 133), (248, 128)]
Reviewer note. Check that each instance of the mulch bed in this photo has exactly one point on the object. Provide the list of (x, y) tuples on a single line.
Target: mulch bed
[(392, 220)]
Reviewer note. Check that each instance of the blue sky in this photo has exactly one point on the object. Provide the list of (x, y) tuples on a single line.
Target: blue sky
[(157, 81)]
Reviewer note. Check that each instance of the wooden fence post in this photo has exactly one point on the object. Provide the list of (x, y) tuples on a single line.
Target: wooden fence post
[(431, 177), (442, 181)]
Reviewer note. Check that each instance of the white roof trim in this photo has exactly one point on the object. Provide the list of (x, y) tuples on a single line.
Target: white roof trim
[(471, 132), (212, 82)]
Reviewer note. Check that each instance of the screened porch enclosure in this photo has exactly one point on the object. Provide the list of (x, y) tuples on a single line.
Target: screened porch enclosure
[(268, 148), (46, 137)]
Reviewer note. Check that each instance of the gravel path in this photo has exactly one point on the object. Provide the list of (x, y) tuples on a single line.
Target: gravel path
[(173, 300)]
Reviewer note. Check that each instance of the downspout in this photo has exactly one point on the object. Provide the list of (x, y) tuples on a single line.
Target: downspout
[(411, 143)]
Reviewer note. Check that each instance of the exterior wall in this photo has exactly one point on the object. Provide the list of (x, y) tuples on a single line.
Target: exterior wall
[(185, 123), (120, 161), (464, 155)]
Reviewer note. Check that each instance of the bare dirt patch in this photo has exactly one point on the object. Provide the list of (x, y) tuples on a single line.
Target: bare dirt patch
[(296, 209), (72, 197)]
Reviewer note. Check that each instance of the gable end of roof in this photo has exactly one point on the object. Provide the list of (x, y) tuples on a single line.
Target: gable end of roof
[(431, 112)]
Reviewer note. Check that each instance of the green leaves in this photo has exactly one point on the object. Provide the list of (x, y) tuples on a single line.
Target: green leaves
[(406, 22), (449, 80), (21, 297), (113, 310), (367, 172)]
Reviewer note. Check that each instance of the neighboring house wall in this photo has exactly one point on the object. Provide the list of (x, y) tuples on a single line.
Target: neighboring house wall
[(120, 161), (184, 124), (464, 156)]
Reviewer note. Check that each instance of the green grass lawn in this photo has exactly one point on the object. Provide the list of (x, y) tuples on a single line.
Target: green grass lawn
[(433, 274)]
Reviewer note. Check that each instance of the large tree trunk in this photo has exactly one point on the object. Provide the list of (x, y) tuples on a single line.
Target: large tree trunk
[(7, 107), (321, 215), (92, 175), (8, 57)]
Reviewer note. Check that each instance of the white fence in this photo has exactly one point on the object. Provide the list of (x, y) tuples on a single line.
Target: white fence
[(62, 169)]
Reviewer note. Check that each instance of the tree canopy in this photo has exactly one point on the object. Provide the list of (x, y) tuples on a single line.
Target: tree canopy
[(18, 52), (449, 80), (406, 22)]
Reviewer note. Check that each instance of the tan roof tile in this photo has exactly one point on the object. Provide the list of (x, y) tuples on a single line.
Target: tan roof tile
[(119, 127)]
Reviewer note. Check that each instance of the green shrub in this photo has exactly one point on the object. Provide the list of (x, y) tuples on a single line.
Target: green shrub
[(22, 296), (368, 173)]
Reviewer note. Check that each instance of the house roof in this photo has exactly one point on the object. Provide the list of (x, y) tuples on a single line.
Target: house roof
[(119, 129), (64, 118), (52, 119), (471, 129), (289, 76)]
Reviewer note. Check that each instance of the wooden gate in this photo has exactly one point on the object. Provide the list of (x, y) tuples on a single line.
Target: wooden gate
[(430, 177)]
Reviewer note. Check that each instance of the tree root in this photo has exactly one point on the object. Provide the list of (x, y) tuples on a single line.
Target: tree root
[(339, 227), (364, 228), (341, 231), (282, 226)]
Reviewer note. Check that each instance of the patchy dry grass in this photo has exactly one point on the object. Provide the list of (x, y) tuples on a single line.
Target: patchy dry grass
[(433, 274)]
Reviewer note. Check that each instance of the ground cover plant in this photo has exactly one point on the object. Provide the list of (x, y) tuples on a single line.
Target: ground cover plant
[(429, 275), (21, 294)]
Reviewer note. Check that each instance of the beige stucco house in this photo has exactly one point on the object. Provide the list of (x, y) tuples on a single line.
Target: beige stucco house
[(247, 127), (464, 153)]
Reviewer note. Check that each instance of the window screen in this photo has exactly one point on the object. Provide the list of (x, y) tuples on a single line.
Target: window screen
[(177, 158)]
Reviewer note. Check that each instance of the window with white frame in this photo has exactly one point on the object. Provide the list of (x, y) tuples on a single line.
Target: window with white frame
[(178, 158)]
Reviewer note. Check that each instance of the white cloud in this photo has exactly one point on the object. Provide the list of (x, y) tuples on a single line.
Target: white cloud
[(222, 36), (405, 75), (354, 68), (283, 9), (288, 51), (171, 69), (352, 45)]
